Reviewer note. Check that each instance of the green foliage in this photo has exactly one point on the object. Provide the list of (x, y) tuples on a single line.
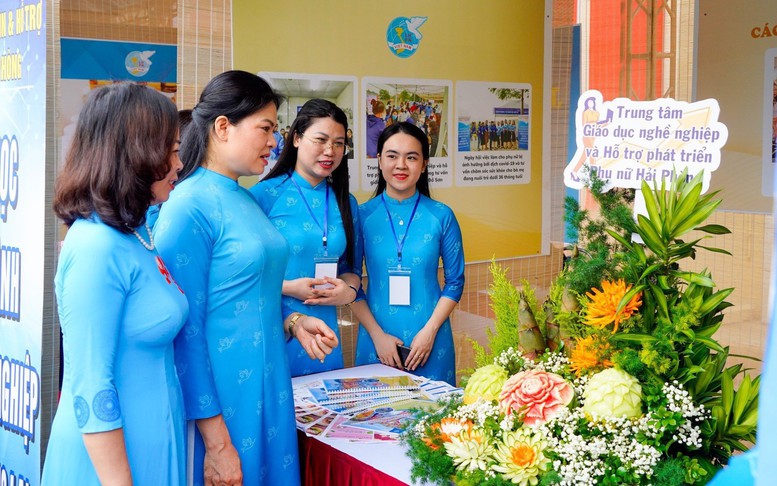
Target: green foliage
[(665, 338), (669, 473), (603, 258), (505, 300), (673, 337), (429, 465), (628, 360)]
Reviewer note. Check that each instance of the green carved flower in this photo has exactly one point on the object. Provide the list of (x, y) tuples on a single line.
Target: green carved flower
[(613, 393), (486, 383)]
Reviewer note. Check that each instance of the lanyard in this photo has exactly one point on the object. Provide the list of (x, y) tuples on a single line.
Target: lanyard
[(325, 229), (400, 244)]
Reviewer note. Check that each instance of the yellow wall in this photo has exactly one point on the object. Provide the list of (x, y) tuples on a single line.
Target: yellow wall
[(730, 69), (499, 41)]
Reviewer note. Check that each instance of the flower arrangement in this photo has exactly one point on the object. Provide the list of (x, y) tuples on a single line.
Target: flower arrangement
[(616, 378)]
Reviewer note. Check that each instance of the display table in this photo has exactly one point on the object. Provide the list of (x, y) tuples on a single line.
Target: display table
[(337, 462)]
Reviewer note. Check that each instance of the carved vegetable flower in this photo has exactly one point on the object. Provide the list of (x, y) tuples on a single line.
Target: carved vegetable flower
[(588, 354), (613, 393), (538, 395), (486, 383), (520, 457), (447, 429), (470, 451), (603, 307)]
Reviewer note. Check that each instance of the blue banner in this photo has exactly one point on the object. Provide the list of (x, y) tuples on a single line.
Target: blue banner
[(118, 61), (22, 222), (507, 111), (463, 132)]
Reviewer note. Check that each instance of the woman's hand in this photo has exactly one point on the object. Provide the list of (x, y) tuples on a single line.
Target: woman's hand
[(316, 338), (386, 348), (222, 466), (222, 463), (421, 348), (337, 293), (302, 288)]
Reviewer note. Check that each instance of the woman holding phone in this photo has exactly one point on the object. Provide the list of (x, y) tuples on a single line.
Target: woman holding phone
[(405, 233)]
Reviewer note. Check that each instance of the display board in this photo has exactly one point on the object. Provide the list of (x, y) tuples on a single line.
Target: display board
[(451, 68), (737, 65), (22, 221)]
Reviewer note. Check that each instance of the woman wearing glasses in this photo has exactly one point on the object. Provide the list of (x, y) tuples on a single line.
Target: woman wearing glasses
[(306, 197)]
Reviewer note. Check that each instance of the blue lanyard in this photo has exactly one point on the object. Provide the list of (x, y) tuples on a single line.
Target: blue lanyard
[(325, 229), (400, 244)]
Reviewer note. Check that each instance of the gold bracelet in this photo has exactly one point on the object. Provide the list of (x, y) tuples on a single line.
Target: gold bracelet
[(293, 321)]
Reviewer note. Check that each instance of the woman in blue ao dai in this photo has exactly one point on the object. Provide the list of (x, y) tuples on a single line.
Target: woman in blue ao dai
[(405, 234), (120, 418), (307, 199), (229, 259)]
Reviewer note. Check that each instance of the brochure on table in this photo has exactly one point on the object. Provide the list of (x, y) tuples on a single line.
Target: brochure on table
[(381, 407), (388, 457)]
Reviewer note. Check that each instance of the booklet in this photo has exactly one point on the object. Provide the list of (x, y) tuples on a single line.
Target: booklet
[(344, 386)]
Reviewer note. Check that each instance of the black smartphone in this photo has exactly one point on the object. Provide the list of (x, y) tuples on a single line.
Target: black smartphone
[(403, 352)]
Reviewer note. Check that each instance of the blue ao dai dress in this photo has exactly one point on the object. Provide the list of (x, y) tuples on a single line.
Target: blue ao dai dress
[(432, 234), (229, 259), (284, 205), (119, 310)]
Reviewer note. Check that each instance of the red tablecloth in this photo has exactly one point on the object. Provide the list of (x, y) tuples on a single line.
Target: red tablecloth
[(323, 465)]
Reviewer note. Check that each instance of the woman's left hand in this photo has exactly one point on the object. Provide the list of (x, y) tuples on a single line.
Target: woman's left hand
[(316, 338), (420, 348), (340, 293)]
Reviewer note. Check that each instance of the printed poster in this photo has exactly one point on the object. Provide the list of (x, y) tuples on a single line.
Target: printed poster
[(22, 222), (493, 134)]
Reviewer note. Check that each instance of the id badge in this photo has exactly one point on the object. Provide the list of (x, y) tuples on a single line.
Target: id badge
[(325, 267), (399, 286)]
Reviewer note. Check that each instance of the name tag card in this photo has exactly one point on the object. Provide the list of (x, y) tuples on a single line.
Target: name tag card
[(399, 286), (326, 267)]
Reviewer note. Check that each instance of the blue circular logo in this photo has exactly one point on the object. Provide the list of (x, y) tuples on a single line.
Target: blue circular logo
[(403, 36), (138, 63)]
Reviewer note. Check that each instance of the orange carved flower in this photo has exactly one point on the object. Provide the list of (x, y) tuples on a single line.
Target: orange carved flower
[(589, 354), (603, 307), (447, 429)]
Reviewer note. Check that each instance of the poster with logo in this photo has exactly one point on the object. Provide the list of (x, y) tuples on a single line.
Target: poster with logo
[(88, 64), (769, 148), (22, 221), (438, 65)]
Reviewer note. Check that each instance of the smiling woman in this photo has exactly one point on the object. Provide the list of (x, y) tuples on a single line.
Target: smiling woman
[(405, 233), (306, 197), (229, 259)]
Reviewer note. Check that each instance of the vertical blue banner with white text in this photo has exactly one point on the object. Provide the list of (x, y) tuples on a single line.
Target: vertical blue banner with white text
[(22, 218)]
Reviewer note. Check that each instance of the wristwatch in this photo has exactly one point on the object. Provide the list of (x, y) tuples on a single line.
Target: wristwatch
[(292, 322)]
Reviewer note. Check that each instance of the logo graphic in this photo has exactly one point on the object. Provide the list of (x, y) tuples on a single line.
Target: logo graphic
[(403, 35), (138, 63)]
